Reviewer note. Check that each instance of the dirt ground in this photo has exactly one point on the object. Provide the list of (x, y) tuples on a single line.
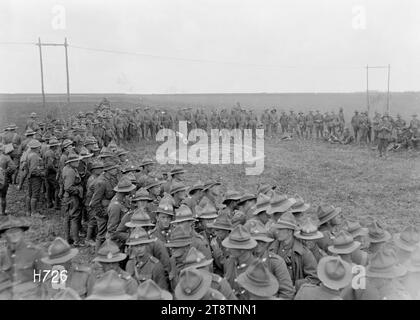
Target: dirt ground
[(351, 177)]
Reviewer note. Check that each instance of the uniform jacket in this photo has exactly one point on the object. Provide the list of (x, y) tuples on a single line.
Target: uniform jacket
[(148, 267), (310, 291)]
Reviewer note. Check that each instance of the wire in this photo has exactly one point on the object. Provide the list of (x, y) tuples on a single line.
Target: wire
[(18, 43)]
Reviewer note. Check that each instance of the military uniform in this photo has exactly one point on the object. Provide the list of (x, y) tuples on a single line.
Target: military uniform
[(115, 211), (20, 266), (8, 167), (148, 267), (310, 291), (51, 160), (233, 270), (35, 175), (130, 282)]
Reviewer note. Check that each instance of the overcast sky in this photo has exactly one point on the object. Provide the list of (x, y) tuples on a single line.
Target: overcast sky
[(268, 46)]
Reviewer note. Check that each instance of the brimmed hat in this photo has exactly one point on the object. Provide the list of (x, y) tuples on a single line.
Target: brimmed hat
[(308, 230), (97, 165), (247, 197), (67, 294), (222, 222), (258, 231), (232, 195), (264, 188), (209, 211), (146, 162), (149, 290), (34, 144), (165, 206), (179, 238), (139, 219), (177, 187), (124, 185), (131, 177), (109, 287), (210, 184), (14, 222), (239, 238), (299, 205), (109, 165), (258, 280), (53, 143), (413, 264), (286, 221), (33, 115), (196, 259), (334, 272), (193, 284), (109, 252), (343, 243), (59, 252), (280, 203), (238, 218), (326, 213), (384, 264), (66, 143), (29, 132), (407, 240), (263, 203), (377, 233), (197, 186), (183, 213), (139, 236), (12, 126), (90, 140), (130, 168), (354, 228), (141, 195), (84, 153), (153, 182), (73, 157), (177, 170)]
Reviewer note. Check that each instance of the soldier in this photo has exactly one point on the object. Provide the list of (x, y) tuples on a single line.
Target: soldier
[(301, 125), (266, 121), (274, 119), (194, 285), (153, 187), (299, 208), (342, 122), (231, 199), (179, 193), (19, 259), (377, 237), (300, 261), (347, 137), (102, 194), (96, 170), (196, 259), (309, 124), (149, 290), (212, 194), (164, 216), (359, 234), (52, 164), (283, 122), (77, 277), (414, 123), (109, 258), (222, 227), (184, 217), (240, 245), (293, 124), (7, 168), (308, 233), (319, 124), (375, 126), (117, 207), (272, 261), (32, 122), (329, 222), (206, 215), (36, 173), (141, 264), (177, 176), (334, 273), (344, 246), (406, 243), (364, 128), (411, 281), (258, 283), (260, 210), (195, 194), (73, 195), (147, 166), (13, 138), (246, 204), (355, 122), (384, 135)]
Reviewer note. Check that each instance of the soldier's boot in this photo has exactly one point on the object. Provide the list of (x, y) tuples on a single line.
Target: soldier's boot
[(28, 206), (34, 209)]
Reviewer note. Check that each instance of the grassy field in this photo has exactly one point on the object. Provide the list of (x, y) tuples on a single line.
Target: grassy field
[(350, 177)]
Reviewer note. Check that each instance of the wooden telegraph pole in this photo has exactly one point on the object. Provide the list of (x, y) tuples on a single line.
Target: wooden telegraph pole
[(65, 45), (42, 72)]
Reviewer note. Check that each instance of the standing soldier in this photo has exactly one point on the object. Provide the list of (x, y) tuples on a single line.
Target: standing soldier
[(274, 120), (319, 124), (265, 120), (375, 125), (7, 168), (292, 123), (73, 195), (355, 123), (13, 138), (414, 123), (364, 127), (341, 120), (309, 124), (32, 122), (141, 265), (52, 165), (384, 135), (36, 173), (301, 125), (102, 194), (399, 125), (283, 122), (20, 260)]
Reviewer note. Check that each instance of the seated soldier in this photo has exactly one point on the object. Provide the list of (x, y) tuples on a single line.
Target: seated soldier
[(347, 137)]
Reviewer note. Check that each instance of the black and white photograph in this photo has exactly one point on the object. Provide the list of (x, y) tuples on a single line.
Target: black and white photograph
[(209, 150)]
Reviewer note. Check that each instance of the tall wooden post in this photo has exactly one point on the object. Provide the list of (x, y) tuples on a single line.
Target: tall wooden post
[(67, 70), (387, 97), (367, 88), (42, 72)]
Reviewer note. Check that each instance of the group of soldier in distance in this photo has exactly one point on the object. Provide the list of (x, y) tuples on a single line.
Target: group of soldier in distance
[(153, 237)]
